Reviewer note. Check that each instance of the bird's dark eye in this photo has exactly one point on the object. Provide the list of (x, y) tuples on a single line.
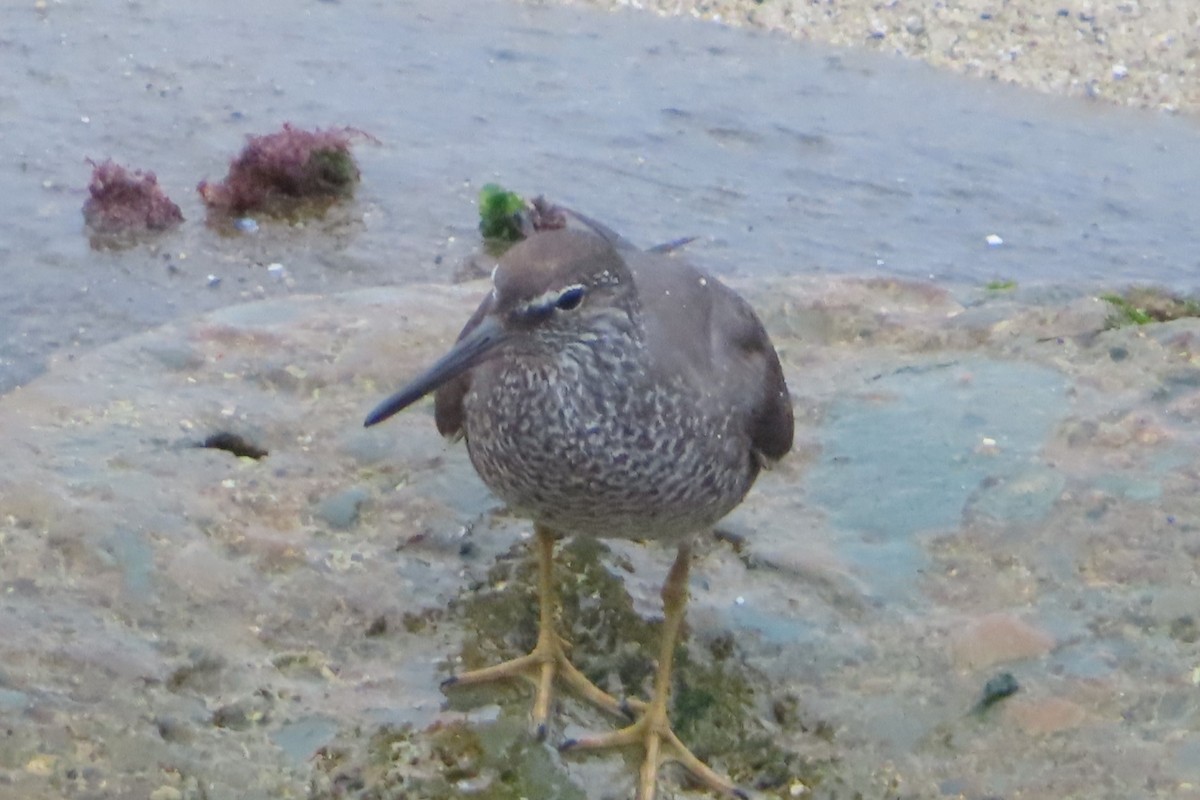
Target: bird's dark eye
[(570, 298)]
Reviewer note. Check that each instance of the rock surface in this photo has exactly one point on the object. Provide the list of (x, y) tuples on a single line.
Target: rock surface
[(179, 621)]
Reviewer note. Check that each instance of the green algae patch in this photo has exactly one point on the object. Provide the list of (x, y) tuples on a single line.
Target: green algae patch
[(720, 706), (722, 709), (716, 711), (1146, 305), (506, 218), (609, 642), (500, 213)]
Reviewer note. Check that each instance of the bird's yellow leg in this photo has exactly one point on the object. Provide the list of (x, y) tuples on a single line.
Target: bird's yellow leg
[(652, 731), (548, 659)]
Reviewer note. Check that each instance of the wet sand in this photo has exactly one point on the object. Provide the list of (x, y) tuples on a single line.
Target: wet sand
[(1137, 54)]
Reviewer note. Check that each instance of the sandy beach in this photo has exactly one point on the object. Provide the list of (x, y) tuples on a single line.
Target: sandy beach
[(1125, 52)]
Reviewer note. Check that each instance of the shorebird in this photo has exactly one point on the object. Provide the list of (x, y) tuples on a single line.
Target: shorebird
[(612, 392)]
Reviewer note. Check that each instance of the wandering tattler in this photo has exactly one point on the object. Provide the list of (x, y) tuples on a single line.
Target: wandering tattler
[(612, 392)]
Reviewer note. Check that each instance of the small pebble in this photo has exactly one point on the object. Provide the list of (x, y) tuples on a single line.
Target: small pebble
[(246, 225), (999, 687), (993, 240), (276, 270), (213, 281), (1119, 71)]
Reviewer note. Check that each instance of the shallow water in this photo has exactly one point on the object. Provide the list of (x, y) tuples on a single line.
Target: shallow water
[(784, 158)]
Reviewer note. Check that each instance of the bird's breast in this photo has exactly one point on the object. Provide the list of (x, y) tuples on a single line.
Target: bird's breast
[(595, 446)]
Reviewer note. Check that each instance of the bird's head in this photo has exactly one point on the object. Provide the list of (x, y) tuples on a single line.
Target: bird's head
[(548, 291), (555, 285)]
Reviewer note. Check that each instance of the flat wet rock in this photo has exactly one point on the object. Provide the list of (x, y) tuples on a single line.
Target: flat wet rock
[(186, 620)]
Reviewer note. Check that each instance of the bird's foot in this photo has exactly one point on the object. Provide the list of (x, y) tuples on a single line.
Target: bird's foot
[(547, 661), (653, 733)]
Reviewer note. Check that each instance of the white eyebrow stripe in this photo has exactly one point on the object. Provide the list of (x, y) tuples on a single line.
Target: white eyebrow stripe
[(543, 300), (550, 297)]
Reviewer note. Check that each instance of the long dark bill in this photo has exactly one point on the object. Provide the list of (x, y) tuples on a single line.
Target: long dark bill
[(468, 351)]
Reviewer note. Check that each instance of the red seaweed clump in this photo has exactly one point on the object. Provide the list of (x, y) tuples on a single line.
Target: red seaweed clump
[(125, 203), (286, 173)]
